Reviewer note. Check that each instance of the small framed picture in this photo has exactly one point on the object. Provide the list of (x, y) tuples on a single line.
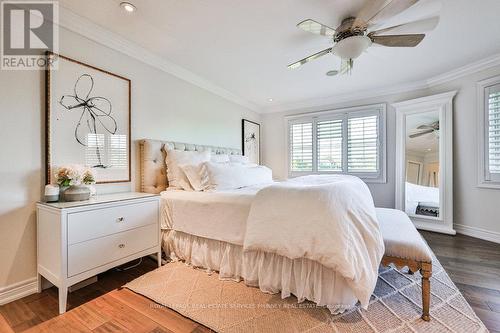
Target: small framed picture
[(87, 120), (250, 140)]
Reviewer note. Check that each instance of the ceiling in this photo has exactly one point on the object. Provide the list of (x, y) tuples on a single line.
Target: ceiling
[(245, 46)]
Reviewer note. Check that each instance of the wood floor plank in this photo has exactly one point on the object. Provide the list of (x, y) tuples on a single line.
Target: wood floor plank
[(489, 318), (88, 315), (495, 307), (15, 313), (111, 327), (4, 325), (161, 330), (45, 308), (59, 325), (160, 314), (123, 314)]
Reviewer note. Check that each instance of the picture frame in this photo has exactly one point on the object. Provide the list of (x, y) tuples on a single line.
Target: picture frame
[(87, 120), (250, 140)]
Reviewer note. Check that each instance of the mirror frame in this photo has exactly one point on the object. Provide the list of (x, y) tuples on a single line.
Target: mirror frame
[(443, 103)]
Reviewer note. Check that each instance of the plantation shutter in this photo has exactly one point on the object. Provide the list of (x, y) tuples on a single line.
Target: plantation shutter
[(329, 145), (94, 151), (118, 150), (493, 103), (362, 144), (301, 147)]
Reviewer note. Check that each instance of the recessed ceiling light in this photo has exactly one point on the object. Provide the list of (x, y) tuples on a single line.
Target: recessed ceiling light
[(270, 100), (332, 72), (429, 149), (127, 6)]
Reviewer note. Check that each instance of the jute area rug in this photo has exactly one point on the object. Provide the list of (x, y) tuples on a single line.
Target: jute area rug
[(227, 306)]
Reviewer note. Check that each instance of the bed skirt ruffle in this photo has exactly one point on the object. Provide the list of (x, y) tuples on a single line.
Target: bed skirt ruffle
[(272, 273)]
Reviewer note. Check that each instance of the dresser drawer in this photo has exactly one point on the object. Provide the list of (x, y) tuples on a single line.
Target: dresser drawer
[(87, 225), (97, 252)]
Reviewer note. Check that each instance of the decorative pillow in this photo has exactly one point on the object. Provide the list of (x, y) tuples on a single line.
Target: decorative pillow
[(197, 176), (176, 177), (233, 176), (219, 158), (239, 159)]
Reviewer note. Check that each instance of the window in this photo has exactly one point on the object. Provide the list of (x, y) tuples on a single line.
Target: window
[(109, 151), (349, 141), (302, 147), (494, 130), (489, 97), (117, 150), (329, 136), (362, 147)]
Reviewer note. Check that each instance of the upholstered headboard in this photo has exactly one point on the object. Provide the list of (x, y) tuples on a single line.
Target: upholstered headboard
[(153, 167)]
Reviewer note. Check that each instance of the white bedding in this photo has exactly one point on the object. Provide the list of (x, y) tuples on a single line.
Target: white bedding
[(419, 193), (327, 219), (220, 215), (342, 236)]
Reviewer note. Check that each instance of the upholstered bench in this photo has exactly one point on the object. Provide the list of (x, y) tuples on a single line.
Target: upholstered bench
[(405, 247)]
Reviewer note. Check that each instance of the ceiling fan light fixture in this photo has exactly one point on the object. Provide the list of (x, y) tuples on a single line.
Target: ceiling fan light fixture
[(351, 47)]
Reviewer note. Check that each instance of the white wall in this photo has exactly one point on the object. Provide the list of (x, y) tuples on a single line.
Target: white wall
[(163, 107), (474, 207)]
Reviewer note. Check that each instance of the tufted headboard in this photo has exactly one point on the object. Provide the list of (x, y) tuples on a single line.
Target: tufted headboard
[(153, 167)]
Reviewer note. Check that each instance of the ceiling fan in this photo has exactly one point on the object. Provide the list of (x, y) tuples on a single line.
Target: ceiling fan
[(355, 34), (426, 129)]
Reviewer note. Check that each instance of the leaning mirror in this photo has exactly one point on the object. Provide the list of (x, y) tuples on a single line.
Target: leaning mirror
[(424, 161), (422, 164)]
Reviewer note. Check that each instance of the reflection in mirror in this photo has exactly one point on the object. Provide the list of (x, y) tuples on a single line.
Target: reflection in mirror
[(422, 164)]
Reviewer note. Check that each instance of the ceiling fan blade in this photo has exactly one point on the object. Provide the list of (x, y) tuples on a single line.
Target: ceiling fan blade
[(316, 28), (398, 40), (310, 58), (425, 127), (434, 126), (369, 10), (392, 8), (416, 135), (410, 28)]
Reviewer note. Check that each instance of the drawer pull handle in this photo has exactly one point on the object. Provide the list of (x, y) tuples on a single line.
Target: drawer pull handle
[(121, 246), (120, 219)]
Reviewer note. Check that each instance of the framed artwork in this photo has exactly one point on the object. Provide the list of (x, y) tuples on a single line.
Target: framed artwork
[(87, 120), (250, 140)]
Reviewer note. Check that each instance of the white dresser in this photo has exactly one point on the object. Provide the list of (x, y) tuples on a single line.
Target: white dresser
[(77, 240)]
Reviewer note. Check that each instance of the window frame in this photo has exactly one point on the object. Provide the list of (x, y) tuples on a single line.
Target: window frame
[(485, 178), (344, 114)]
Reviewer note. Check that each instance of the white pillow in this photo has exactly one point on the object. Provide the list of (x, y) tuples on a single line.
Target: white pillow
[(233, 176), (197, 175), (239, 159), (176, 177), (219, 158)]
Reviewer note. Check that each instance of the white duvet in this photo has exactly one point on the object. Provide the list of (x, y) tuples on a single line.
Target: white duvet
[(328, 219)]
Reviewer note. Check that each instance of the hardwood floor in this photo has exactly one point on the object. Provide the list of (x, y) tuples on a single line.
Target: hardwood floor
[(474, 265), (99, 307)]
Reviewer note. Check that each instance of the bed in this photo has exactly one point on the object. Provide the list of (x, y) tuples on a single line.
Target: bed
[(211, 230), (422, 200)]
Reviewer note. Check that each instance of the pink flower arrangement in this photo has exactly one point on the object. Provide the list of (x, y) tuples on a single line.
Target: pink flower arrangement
[(74, 174)]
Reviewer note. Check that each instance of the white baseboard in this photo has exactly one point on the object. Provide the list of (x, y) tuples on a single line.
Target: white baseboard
[(17, 290), (488, 235)]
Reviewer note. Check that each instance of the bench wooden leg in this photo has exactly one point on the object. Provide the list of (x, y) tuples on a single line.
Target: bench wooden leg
[(426, 291), (426, 272)]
